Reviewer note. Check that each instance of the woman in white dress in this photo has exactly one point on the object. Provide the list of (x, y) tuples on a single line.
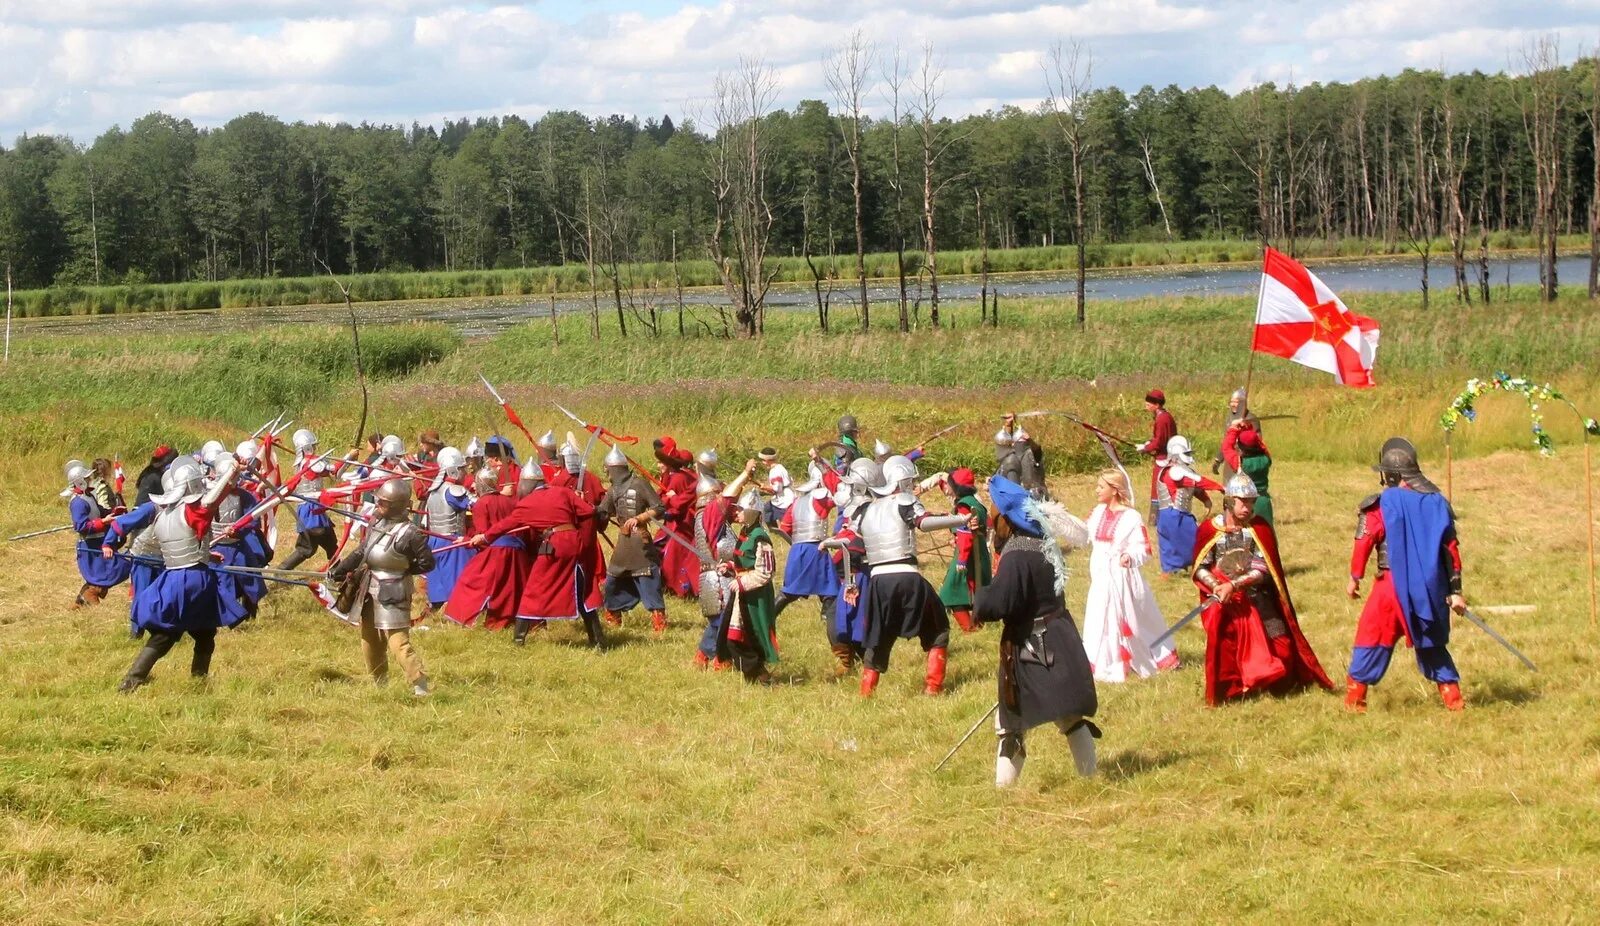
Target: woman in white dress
[(1121, 616)]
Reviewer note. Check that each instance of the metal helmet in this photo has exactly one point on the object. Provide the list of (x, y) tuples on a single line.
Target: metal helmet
[(546, 442), (210, 450), (1180, 447), (1239, 395), (486, 481), (899, 475), (1020, 436), (78, 473), (397, 492), (475, 448), (451, 461), (848, 425), (865, 473), (1240, 485), (571, 457), (1398, 458), (247, 451), (304, 440), (184, 481), (617, 465), (708, 458), (530, 477), (750, 500), (392, 447), (1004, 438), (707, 486), (880, 449)]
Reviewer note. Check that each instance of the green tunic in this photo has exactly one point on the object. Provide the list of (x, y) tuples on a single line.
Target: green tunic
[(1258, 467), (757, 606), (954, 593)]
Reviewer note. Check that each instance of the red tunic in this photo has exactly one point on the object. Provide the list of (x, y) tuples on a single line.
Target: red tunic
[(593, 491), (553, 516), (492, 581), (680, 568), (1163, 429), (1240, 658)]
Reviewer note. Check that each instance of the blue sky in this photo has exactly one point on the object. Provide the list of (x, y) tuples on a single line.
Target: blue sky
[(80, 66)]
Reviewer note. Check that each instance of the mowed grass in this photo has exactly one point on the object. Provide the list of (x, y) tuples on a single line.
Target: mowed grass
[(554, 785)]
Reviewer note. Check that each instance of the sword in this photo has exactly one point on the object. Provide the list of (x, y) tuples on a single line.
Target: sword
[(994, 707), (1499, 639), (48, 530), (1206, 603), (678, 538)]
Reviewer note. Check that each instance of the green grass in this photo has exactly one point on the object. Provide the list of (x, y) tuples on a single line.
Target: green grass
[(571, 278), (547, 785)]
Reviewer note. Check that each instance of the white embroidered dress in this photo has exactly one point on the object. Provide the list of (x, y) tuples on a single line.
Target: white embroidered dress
[(1121, 616)]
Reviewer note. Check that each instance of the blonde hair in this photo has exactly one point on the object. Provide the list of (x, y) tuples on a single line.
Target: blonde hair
[(1114, 478)]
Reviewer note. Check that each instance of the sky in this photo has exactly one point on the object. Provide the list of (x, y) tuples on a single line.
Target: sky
[(77, 67)]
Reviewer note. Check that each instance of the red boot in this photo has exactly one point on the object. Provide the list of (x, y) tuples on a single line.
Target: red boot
[(1355, 697), (658, 621), (614, 618), (936, 663), (963, 618), (1451, 693), (700, 660), (869, 681)]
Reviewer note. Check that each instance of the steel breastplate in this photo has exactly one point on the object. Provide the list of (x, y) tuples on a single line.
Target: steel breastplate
[(144, 544), (229, 510), (381, 555), (443, 518), (630, 502), (886, 534), (179, 544), (808, 526)]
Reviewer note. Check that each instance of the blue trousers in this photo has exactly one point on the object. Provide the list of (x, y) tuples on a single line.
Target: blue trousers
[(1369, 663)]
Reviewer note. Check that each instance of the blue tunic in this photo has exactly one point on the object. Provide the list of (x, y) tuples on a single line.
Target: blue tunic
[(1177, 531), (95, 569), (809, 571), (180, 599), (448, 565), (849, 625)]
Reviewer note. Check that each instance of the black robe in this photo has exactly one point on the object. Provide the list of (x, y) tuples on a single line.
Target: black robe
[(1023, 590)]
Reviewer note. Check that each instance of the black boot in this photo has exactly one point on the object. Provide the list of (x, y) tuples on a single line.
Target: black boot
[(783, 602)]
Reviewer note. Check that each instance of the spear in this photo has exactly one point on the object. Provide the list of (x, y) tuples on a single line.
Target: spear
[(940, 433), (48, 530), (511, 414), (611, 440)]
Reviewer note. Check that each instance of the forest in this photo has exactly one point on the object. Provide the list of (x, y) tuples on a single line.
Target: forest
[(1404, 160)]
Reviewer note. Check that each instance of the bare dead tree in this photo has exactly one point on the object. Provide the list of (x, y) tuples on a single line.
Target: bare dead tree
[(1422, 174), (739, 163), (848, 71), (1068, 80), (894, 77), (1148, 163), (1543, 101), (936, 137), (983, 259), (817, 276), (1457, 145)]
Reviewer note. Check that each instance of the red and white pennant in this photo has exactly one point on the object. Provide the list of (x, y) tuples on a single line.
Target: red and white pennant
[(1300, 318)]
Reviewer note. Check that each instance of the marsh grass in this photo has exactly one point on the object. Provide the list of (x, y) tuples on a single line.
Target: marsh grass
[(549, 785)]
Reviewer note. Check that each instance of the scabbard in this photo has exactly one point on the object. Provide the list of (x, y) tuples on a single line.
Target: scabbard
[(1010, 695)]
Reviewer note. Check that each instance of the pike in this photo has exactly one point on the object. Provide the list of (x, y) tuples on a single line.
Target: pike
[(1467, 613), (48, 530), (971, 730), (268, 571), (511, 414), (278, 495), (1206, 602), (229, 570), (938, 434), (611, 439)]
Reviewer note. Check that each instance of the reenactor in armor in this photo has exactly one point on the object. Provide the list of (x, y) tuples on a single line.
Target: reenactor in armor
[(182, 598), (238, 596), (1007, 461), (902, 603), (714, 543), (850, 437), (1179, 486), (847, 631), (89, 519), (315, 530), (446, 508), (748, 638), (1253, 639), (634, 574), (1239, 417), (545, 452), (1427, 567), (808, 571), (392, 553)]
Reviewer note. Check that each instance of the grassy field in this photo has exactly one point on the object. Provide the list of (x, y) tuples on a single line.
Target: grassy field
[(552, 785), (574, 277)]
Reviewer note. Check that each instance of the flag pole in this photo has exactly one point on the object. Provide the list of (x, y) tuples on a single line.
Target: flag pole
[(1255, 320)]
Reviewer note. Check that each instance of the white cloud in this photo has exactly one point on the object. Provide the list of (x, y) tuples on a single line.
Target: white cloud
[(78, 66)]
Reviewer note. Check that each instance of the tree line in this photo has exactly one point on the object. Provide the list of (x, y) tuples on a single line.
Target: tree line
[(1405, 159)]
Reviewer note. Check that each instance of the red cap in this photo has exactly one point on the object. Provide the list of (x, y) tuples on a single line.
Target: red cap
[(963, 476), (1156, 396), (667, 452), (1250, 439), (162, 452)]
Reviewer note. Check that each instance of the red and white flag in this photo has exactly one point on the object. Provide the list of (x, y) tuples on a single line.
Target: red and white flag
[(1300, 318)]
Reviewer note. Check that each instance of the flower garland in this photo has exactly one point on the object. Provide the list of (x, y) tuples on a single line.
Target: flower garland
[(1464, 406)]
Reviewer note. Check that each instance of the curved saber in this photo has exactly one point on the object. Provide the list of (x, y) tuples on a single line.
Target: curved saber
[(1182, 621), (1499, 639)]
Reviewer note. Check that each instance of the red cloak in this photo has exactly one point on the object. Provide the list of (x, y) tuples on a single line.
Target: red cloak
[(1239, 656), (556, 518), (492, 581), (593, 558), (680, 568)]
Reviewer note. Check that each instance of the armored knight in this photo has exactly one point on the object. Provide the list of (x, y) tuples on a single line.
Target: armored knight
[(902, 604), (1240, 417), (446, 508), (546, 451), (847, 630), (392, 553), (1179, 485), (809, 571), (1007, 462), (1253, 639), (1419, 580), (315, 530), (89, 519), (182, 598), (633, 576), (1044, 674), (850, 437), (238, 596)]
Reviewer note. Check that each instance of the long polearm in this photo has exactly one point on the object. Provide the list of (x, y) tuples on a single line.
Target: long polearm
[(48, 530), (511, 414), (612, 439), (355, 343)]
